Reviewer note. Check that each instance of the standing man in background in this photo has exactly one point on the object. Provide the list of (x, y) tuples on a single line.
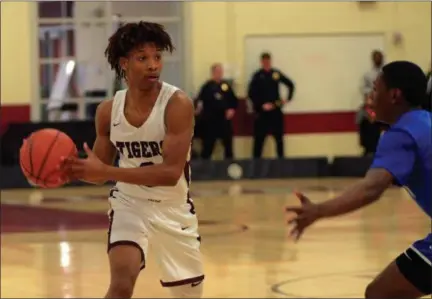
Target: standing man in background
[(216, 105), (370, 76), (267, 103), (369, 130)]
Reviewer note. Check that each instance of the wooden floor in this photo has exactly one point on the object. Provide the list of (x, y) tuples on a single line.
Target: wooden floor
[(246, 249)]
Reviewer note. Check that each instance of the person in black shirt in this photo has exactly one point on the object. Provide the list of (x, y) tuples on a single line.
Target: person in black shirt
[(218, 105), (264, 94)]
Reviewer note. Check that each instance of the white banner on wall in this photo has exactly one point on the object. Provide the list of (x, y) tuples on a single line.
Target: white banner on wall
[(327, 69)]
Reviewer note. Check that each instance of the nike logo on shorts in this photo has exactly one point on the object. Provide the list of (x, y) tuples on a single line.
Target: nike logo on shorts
[(196, 283), (116, 124)]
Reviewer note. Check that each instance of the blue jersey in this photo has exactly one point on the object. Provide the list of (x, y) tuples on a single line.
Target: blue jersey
[(405, 151)]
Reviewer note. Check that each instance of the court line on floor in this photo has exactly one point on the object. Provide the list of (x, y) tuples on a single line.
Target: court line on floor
[(275, 288)]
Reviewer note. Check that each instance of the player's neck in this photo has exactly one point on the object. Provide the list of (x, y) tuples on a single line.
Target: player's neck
[(143, 97), (399, 114)]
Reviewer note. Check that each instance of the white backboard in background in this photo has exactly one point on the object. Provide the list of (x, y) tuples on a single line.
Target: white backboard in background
[(326, 69)]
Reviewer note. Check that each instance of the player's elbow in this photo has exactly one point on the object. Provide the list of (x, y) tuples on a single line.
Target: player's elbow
[(373, 191)]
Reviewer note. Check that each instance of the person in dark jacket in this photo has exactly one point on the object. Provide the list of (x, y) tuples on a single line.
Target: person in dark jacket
[(264, 94), (217, 106)]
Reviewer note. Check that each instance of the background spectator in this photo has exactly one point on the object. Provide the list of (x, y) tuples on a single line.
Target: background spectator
[(216, 106), (370, 76), (369, 130), (265, 96)]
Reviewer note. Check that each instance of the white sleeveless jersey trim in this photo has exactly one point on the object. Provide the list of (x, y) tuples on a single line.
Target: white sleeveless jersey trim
[(140, 147)]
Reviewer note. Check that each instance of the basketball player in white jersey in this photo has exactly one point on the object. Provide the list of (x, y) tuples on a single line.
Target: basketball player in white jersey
[(150, 126)]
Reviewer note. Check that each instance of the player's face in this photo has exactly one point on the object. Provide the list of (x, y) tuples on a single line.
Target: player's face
[(143, 66), (383, 100)]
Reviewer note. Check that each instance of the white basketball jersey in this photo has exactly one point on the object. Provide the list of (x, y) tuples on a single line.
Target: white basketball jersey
[(140, 147)]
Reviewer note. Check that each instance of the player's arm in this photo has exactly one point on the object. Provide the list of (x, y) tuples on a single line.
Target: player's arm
[(179, 119), (102, 147), (362, 193), (393, 163)]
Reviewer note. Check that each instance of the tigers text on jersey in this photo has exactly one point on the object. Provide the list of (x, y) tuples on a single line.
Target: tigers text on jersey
[(140, 147)]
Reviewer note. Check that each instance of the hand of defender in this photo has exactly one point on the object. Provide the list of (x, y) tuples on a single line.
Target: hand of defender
[(306, 215), (90, 169)]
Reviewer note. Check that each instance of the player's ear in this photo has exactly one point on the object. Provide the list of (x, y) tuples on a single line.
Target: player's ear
[(398, 93), (124, 63)]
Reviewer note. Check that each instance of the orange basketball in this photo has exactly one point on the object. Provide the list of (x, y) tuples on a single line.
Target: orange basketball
[(40, 156)]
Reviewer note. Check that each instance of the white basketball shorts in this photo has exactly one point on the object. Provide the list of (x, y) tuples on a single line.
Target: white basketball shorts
[(169, 227)]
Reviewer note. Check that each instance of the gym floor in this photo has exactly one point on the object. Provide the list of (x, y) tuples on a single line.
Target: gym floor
[(53, 244)]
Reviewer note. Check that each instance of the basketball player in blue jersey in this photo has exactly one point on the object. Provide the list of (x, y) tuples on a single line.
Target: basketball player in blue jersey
[(404, 158), (149, 125)]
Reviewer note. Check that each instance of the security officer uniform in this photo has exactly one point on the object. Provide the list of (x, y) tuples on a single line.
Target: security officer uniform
[(217, 98), (264, 89)]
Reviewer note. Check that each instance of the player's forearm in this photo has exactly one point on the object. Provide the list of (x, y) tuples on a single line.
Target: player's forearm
[(354, 198), (152, 175)]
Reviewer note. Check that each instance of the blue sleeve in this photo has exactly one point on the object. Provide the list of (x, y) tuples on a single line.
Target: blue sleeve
[(396, 153)]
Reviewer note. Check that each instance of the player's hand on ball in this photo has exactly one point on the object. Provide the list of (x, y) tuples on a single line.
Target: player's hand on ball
[(89, 169), (306, 214)]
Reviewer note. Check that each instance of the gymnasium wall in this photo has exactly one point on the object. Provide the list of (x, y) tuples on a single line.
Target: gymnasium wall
[(18, 27), (218, 32)]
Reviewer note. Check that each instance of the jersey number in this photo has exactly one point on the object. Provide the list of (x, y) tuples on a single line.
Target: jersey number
[(144, 164)]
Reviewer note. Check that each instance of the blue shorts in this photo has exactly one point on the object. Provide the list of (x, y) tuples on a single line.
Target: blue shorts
[(415, 264)]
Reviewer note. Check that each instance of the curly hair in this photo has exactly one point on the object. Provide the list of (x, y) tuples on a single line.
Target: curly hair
[(131, 35)]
